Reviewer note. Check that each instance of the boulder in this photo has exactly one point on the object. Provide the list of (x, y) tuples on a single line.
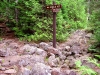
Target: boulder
[(52, 61), (27, 49), (40, 69), (41, 52), (76, 49), (43, 45), (88, 35)]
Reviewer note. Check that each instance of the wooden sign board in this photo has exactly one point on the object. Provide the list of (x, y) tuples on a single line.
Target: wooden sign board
[(53, 7), (55, 10)]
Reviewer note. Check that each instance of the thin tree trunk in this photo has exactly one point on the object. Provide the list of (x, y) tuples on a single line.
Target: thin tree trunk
[(88, 10), (16, 13)]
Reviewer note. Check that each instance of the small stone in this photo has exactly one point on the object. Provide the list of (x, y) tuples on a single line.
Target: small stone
[(3, 53), (1, 60), (13, 45), (70, 58), (52, 50), (64, 71), (77, 55), (72, 73), (72, 64), (68, 53), (67, 48), (26, 71), (88, 35), (5, 64), (43, 45), (24, 62), (62, 57), (51, 61), (2, 68), (76, 49), (65, 66), (12, 71), (3, 74), (55, 73)]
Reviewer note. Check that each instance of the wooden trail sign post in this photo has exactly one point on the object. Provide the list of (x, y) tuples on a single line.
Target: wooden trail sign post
[(54, 8)]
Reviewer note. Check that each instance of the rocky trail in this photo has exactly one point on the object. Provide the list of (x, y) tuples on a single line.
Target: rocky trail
[(23, 58)]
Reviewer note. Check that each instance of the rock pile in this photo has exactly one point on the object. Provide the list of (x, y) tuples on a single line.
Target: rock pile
[(17, 58)]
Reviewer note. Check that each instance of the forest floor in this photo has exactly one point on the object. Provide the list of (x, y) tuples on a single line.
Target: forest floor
[(29, 58)]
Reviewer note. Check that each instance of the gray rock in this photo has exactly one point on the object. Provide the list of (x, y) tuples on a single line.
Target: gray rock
[(66, 53), (43, 45), (50, 43), (10, 71), (3, 53), (79, 32), (37, 58), (3, 74), (53, 50), (62, 57), (40, 69), (34, 44), (72, 73), (24, 62), (52, 61), (70, 58), (65, 65), (64, 71), (23, 71), (71, 64), (13, 45), (5, 64), (77, 55), (76, 49), (55, 71), (2, 68), (1, 60), (88, 35), (67, 48), (26, 71), (11, 52), (41, 52), (29, 49)]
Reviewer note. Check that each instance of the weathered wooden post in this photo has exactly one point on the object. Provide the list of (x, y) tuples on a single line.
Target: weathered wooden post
[(55, 8)]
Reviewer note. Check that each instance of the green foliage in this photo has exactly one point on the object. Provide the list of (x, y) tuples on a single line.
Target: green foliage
[(0, 39), (94, 61), (84, 69), (97, 56), (74, 13), (31, 21), (95, 24)]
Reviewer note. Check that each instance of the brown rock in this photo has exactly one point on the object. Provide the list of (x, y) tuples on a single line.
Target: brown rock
[(55, 73), (10, 71)]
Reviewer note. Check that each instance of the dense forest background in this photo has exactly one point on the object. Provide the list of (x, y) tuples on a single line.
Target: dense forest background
[(31, 21)]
